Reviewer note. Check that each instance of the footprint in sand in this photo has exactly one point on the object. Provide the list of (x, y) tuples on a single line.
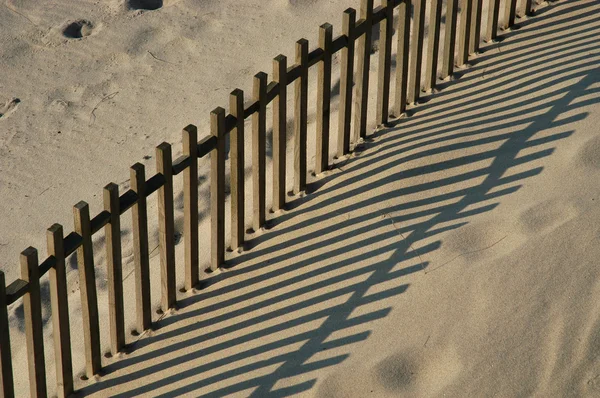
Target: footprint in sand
[(144, 4), (9, 107), (78, 29)]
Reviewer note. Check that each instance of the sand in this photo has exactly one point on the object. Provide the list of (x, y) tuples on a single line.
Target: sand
[(454, 254)]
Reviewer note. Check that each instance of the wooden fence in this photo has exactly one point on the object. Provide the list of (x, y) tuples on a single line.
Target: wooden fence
[(355, 42)]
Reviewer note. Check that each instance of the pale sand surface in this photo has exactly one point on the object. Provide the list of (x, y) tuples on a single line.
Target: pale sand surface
[(455, 254)]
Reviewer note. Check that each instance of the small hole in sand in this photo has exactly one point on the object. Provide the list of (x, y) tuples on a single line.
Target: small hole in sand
[(144, 4), (78, 29)]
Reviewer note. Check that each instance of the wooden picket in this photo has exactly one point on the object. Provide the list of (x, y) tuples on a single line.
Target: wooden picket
[(60, 312)]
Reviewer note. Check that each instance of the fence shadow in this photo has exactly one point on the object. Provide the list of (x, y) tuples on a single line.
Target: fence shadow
[(264, 328)]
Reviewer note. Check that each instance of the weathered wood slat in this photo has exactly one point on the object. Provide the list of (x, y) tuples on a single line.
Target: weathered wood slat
[(416, 51), (272, 90), (87, 289), (182, 163), (323, 99), (166, 227), (72, 243), (449, 39), (46, 265), (98, 222), (16, 290), (154, 183), (346, 82), (363, 64), (217, 189), (433, 44), (339, 43), (190, 207), (361, 26), (139, 216), (206, 145), (236, 107), (385, 63), (126, 201), (254, 106), (7, 386), (258, 151), (465, 32), (114, 269), (293, 73), (315, 56), (475, 38), (32, 313), (492, 23), (402, 57), (230, 123), (300, 116), (279, 131), (60, 312)]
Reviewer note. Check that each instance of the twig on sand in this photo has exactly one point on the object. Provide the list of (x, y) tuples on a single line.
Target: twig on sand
[(160, 59), (426, 340), (17, 12), (471, 252), (409, 245), (152, 251), (106, 98)]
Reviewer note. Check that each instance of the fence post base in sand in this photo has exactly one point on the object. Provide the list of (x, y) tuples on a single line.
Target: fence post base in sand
[(60, 312), (323, 99), (190, 206), (236, 108), (346, 82), (139, 215), (34, 337), (87, 289)]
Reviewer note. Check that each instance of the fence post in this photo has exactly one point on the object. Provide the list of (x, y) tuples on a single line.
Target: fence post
[(492, 24), (416, 51), (346, 80), (34, 332), (323, 99), (385, 63), (258, 149), (60, 312), (114, 268), (449, 39), (527, 8), (475, 27), (166, 227), (300, 116), (6, 375), (402, 56), (139, 215), (510, 11), (87, 288), (279, 132), (433, 44), (465, 32), (217, 189), (363, 64), (236, 139), (190, 206)]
